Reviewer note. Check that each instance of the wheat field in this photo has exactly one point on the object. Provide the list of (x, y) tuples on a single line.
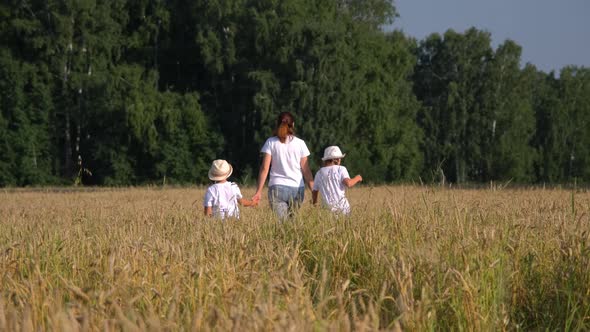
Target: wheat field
[(409, 258)]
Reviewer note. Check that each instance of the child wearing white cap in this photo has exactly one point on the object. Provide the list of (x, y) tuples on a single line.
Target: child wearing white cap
[(222, 197), (332, 180)]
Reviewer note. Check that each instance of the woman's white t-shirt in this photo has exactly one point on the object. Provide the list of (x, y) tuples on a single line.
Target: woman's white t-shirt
[(285, 165), (329, 181), (223, 199)]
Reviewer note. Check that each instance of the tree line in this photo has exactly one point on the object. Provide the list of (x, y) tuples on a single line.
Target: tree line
[(124, 92)]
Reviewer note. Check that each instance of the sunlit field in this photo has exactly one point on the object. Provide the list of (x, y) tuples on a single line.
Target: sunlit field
[(409, 258)]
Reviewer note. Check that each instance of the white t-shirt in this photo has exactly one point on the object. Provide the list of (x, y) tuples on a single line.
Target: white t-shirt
[(329, 181), (223, 198), (285, 166)]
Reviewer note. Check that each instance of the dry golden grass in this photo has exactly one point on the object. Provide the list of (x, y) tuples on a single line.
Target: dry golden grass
[(409, 258)]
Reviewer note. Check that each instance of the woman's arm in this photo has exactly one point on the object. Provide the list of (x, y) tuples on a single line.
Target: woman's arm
[(307, 176), (262, 174)]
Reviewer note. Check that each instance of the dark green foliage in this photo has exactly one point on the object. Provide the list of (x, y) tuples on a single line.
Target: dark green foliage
[(449, 79), (82, 93), (486, 119), (24, 143), (130, 92), (563, 119), (342, 77), (508, 118)]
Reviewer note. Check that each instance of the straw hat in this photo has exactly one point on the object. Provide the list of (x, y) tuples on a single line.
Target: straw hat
[(220, 170), (332, 152)]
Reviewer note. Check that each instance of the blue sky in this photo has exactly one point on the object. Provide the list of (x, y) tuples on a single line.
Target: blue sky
[(552, 34)]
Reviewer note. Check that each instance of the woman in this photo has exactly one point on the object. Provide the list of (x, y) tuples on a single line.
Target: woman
[(285, 156)]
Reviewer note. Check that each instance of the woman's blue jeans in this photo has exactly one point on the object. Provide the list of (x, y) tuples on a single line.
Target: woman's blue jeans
[(284, 200)]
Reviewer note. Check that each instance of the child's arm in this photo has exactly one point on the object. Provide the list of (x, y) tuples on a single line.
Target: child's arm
[(247, 202), (349, 183), (208, 211), (314, 197)]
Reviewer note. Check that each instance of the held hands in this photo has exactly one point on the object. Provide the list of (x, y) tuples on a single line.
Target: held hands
[(246, 202), (256, 198)]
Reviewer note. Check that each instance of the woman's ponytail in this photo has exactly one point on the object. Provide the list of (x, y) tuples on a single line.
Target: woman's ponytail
[(285, 124), (283, 132)]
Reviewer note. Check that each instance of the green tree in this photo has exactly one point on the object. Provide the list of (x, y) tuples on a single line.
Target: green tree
[(92, 70), (507, 118), (574, 135), (318, 59), (148, 136), (65, 42), (24, 145), (562, 115), (546, 101), (450, 80)]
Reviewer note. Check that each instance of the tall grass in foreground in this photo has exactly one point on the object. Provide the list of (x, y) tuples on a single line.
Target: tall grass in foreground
[(409, 258)]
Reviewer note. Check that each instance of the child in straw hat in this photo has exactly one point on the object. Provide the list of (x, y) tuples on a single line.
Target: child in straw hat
[(222, 197), (332, 180)]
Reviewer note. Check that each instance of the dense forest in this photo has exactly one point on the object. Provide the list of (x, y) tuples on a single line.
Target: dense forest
[(118, 92)]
